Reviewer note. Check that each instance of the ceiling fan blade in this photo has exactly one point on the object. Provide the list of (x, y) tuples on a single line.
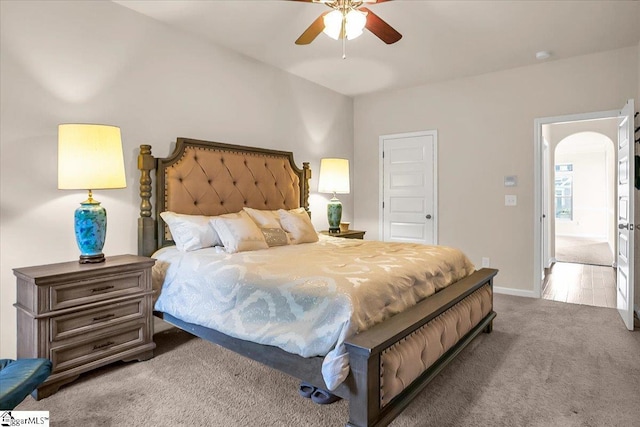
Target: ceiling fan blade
[(312, 32), (377, 26)]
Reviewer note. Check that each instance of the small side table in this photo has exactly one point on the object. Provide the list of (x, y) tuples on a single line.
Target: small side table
[(83, 316), (349, 234)]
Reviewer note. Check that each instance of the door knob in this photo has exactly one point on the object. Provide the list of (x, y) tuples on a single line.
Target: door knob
[(429, 216), (623, 226)]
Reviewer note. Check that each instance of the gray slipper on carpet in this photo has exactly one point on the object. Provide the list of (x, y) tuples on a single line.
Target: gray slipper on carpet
[(306, 390), (323, 397)]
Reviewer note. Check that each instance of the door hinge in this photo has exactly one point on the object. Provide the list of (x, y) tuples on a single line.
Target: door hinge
[(382, 205), (383, 154)]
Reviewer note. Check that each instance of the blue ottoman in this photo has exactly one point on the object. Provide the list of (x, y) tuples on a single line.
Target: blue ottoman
[(18, 378)]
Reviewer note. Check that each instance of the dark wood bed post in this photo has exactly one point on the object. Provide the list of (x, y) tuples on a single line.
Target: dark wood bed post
[(306, 177), (147, 240)]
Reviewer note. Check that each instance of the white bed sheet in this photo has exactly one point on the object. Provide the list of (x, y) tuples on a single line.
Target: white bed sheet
[(306, 299)]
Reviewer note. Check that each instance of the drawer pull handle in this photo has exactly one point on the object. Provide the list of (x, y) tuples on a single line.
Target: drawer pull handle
[(106, 316), (104, 288), (107, 344)]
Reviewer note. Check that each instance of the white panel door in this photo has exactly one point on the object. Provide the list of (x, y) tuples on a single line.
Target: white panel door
[(409, 188), (626, 174)]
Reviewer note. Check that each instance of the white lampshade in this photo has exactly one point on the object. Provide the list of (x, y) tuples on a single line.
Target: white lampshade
[(354, 24), (333, 24), (90, 157), (356, 21), (334, 176)]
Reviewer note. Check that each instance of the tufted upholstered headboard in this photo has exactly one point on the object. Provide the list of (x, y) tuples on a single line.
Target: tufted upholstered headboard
[(211, 178)]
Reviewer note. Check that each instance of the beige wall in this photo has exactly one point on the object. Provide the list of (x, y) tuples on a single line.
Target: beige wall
[(485, 130), (99, 62)]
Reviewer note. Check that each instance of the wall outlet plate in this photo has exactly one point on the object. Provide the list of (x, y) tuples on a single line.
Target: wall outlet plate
[(510, 200)]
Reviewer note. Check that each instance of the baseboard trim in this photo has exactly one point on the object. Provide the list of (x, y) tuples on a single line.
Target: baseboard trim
[(515, 292)]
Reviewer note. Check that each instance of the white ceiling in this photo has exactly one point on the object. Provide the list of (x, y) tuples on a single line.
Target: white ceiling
[(441, 39)]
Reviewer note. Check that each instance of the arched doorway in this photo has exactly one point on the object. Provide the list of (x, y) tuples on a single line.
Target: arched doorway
[(583, 200), (627, 214)]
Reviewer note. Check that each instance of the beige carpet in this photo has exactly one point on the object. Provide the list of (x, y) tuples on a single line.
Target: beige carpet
[(545, 364), (580, 250)]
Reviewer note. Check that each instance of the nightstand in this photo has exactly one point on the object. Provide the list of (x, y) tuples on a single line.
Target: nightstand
[(349, 234), (83, 316)]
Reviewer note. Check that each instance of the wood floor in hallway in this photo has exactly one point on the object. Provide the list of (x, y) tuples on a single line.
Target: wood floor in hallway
[(581, 284)]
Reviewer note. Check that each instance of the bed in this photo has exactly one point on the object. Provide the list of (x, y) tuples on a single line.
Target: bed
[(391, 360)]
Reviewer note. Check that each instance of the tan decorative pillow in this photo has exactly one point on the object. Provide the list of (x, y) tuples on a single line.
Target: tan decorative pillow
[(275, 236), (299, 227), (239, 233)]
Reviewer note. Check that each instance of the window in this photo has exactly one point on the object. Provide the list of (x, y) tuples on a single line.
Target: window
[(564, 191)]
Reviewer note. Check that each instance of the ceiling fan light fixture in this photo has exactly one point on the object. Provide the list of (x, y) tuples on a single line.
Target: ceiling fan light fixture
[(354, 22), (347, 20), (333, 24)]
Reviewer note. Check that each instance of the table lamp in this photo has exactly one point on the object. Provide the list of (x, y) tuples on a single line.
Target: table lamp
[(334, 178), (90, 158)]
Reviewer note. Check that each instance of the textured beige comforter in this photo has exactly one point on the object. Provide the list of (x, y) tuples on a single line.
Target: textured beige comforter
[(306, 299)]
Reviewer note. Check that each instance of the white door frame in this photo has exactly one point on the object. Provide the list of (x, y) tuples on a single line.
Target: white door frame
[(546, 179), (381, 140), (538, 176)]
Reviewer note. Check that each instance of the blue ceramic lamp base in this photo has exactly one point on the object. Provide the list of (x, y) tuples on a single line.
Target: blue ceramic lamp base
[(334, 214), (90, 222)]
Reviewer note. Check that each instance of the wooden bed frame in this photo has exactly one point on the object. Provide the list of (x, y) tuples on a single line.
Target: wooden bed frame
[(363, 388)]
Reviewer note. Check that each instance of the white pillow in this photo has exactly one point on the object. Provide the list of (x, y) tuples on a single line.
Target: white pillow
[(267, 218), (264, 218), (239, 233), (191, 232), (299, 227)]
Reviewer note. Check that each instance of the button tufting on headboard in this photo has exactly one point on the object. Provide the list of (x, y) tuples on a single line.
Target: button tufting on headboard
[(236, 183), (209, 178)]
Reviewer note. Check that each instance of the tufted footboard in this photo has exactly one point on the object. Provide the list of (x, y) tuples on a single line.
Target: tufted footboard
[(392, 363)]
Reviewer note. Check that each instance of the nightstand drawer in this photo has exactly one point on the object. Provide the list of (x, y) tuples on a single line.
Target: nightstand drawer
[(94, 290), (76, 353), (66, 326), (83, 316)]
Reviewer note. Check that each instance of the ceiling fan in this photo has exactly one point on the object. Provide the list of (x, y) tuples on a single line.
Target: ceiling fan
[(346, 21)]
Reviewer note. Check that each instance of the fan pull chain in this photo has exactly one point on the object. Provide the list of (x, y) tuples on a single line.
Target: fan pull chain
[(344, 47)]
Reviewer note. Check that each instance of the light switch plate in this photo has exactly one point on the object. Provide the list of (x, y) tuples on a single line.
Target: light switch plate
[(511, 181), (510, 200)]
